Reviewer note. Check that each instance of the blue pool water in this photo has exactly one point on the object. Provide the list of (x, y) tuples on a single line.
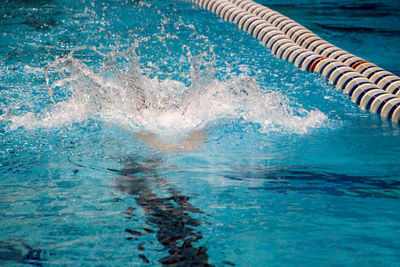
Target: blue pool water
[(286, 171)]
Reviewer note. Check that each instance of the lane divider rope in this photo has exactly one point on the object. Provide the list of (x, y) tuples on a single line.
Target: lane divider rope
[(368, 86), (308, 40)]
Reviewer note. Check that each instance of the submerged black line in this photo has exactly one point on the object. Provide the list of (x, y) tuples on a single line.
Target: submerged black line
[(348, 28), (17, 251), (175, 227), (309, 180), (143, 257)]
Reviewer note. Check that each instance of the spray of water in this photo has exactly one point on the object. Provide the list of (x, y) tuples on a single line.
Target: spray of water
[(122, 93)]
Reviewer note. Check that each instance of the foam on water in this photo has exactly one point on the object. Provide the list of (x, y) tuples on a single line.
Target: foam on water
[(127, 95)]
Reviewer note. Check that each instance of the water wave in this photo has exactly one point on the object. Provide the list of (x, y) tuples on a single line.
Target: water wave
[(122, 93)]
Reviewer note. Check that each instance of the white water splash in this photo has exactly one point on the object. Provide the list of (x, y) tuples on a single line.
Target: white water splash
[(124, 96)]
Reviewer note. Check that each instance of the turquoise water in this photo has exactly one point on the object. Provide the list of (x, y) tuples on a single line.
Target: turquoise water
[(286, 171)]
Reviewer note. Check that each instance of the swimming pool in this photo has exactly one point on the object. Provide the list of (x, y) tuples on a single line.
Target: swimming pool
[(288, 172)]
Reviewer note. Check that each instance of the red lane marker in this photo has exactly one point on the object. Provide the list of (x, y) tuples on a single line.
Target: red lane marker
[(315, 63), (358, 63)]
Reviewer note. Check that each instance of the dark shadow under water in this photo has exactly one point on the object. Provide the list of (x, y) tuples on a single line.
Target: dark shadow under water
[(170, 216), (12, 251), (360, 29), (312, 181)]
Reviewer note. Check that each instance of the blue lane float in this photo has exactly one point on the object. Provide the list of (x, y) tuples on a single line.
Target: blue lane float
[(368, 86)]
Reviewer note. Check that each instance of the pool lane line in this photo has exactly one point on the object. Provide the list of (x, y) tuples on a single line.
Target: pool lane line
[(16, 251), (175, 229), (309, 40), (361, 90)]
